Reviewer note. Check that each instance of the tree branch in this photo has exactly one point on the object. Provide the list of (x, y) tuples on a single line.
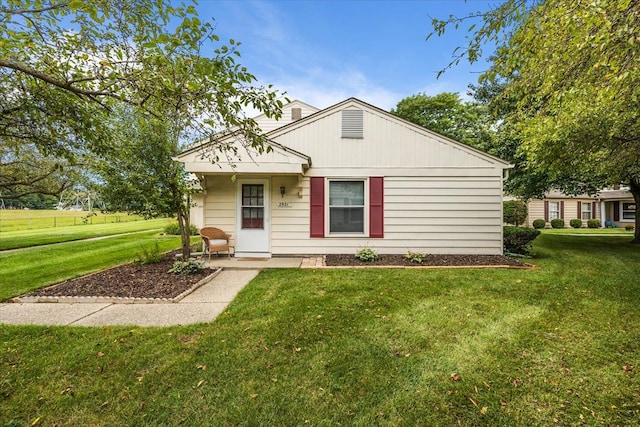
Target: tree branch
[(33, 11)]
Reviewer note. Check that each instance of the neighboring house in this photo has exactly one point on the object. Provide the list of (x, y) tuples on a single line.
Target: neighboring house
[(348, 177), (610, 206)]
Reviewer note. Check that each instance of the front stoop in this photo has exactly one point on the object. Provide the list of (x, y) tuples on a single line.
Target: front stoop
[(313, 262)]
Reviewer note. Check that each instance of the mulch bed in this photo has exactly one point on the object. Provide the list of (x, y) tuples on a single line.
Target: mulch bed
[(430, 260), (129, 281), (154, 280)]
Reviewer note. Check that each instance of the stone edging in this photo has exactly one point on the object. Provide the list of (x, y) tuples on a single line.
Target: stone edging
[(115, 300)]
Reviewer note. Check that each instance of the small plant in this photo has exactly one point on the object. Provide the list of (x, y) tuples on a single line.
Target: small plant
[(174, 229), (575, 223), (629, 227), (149, 255), (557, 223), (539, 223), (593, 223), (190, 266), (518, 240), (415, 257), (367, 255)]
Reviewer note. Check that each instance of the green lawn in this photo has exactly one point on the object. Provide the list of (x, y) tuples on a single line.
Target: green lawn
[(28, 238), (558, 345), (618, 230), (19, 219), (31, 268)]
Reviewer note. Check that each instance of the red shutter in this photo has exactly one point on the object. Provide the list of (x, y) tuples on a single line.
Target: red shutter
[(546, 211), (593, 210), (376, 207), (562, 209), (579, 210), (317, 206), (616, 211)]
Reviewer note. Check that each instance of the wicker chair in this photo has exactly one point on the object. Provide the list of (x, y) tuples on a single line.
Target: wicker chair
[(215, 240)]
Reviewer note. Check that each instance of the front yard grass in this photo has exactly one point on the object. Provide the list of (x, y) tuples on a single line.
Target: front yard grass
[(557, 345)]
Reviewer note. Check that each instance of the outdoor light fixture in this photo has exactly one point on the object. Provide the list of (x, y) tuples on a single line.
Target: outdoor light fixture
[(282, 189)]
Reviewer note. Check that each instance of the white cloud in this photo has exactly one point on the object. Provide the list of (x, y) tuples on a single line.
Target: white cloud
[(322, 87)]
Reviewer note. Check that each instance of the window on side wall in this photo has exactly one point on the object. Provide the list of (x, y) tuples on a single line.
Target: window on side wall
[(628, 211), (346, 207), (586, 211), (554, 210)]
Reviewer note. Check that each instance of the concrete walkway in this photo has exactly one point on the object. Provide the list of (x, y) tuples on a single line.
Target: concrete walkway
[(203, 305)]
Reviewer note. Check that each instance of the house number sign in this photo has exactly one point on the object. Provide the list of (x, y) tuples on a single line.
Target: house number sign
[(284, 205)]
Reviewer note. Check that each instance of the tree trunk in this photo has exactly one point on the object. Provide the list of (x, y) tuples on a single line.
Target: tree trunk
[(634, 185), (185, 231)]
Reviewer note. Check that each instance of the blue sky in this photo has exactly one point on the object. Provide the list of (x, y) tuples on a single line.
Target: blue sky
[(322, 52)]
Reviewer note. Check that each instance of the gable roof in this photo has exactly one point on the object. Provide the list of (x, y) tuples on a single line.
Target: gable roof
[(283, 159), (354, 102)]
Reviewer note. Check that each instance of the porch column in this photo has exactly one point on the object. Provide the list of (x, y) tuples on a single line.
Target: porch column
[(603, 213)]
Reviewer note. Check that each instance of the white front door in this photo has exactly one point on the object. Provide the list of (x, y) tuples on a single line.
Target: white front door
[(252, 218)]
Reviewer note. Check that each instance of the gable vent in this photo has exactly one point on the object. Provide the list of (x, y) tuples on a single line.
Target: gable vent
[(352, 124), (296, 114)]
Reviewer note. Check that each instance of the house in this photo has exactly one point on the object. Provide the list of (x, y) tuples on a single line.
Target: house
[(347, 177), (613, 207)]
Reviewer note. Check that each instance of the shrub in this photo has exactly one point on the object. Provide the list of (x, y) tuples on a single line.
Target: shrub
[(514, 212), (415, 257), (186, 267), (149, 256), (593, 223), (367, 255), (629, 227), (557, 223), (575, 223), (518, 240), (539, 223), (174, 229)]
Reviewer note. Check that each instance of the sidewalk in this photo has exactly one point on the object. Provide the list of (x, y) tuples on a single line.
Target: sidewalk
[(203, 305)]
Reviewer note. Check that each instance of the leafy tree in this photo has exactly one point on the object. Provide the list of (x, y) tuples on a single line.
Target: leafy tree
[(448, 115), (140, 176), (65, 66), (574, 69), (514, 212), (72, 66)]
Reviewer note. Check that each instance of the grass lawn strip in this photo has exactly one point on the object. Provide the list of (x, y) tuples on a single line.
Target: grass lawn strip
[(29, 238), (556, 345)]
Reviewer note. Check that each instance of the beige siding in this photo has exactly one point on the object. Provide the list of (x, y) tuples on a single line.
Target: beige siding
[(428, 222), (268, 124), (220, 204), (536, 210), (386, 143)]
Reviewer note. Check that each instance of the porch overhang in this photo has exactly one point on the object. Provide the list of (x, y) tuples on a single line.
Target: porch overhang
[(276, 159)]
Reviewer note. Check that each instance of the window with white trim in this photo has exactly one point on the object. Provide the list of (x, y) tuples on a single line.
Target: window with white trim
[(347, 206), (554, 210), (628, 211), (586, 211)]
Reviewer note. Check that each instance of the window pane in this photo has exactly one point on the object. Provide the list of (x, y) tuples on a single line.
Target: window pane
[(346, 220), (346, 193), (252, 217), (252, 195), (554, 210), (628, 211)]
